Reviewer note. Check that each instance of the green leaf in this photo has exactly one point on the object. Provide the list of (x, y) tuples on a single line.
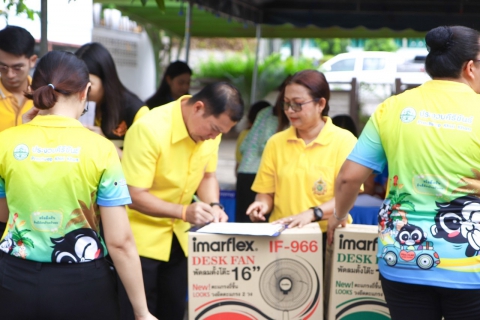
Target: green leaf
[(402, 196), (23, 232), (28, 242), (144, 2), (16, 237), (407, 206)]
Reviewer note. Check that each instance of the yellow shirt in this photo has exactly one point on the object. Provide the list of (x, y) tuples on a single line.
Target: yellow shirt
[(54, 173), (160, 155), (10, 112), (302, 176)]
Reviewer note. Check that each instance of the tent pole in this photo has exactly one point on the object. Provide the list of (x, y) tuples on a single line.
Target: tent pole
[(188, 21), (43, 28), (253, 93)]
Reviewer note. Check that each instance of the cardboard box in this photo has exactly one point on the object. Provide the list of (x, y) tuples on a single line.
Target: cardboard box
[(252, 277), (353, 277)]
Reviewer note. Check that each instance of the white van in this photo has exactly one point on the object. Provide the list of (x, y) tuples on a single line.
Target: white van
[(372, 67), (376, 67)]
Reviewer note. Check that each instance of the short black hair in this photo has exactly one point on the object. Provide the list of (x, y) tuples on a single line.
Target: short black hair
[(448, 49), (220, 97), (346, 122), (255, 109), (17, 41)]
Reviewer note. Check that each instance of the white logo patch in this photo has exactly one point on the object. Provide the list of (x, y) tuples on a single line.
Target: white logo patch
[(408, 115), (21, 152)]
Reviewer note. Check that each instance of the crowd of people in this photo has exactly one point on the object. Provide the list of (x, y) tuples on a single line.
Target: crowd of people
[(102, 228)]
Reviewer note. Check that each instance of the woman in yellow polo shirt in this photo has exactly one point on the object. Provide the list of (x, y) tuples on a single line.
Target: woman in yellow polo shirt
[(296, 176), (58, 181)]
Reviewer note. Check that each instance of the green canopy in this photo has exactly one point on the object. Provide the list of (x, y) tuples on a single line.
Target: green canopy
[(205, 23)]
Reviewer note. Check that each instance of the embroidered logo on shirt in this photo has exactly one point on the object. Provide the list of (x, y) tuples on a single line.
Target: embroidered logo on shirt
[(120, 183), (408, 115), (319, 187), (21, 152)]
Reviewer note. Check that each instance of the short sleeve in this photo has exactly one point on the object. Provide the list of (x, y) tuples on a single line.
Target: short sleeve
[(369, 151), (265, 179), (140, 155), (2, 188), (113, 190)]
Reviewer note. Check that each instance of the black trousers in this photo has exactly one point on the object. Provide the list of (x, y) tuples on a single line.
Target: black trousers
[(421, 302), (244, 196), (34, 290), (165, 286)]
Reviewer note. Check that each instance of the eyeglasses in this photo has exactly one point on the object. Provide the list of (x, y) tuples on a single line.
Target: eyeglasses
[(296, 107), (16, 68)]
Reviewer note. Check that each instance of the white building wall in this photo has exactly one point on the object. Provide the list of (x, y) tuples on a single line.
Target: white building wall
[(133, 56)]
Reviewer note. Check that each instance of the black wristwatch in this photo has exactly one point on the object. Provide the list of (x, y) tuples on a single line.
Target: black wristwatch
[(318, 213), (217, 204)]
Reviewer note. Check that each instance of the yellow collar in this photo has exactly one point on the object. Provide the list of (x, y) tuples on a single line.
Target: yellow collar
[(55, 121), (179, 129), (325, 137)]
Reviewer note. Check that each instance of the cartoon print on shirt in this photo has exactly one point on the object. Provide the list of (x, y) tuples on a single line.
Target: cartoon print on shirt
[(87, 215), (410, 236), (15, 242), (392, 215), (458, 221), (472, 186), (80, 245), (411, 249)]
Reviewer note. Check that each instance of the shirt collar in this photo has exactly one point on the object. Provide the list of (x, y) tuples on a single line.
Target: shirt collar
[(55, 121), (179, 129), (325, 137), (448, 85)]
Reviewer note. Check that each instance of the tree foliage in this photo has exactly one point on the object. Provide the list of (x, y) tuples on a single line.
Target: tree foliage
[(333, 46), (381, 44), (20, 7)]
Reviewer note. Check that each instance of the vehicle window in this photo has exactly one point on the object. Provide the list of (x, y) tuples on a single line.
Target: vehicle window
[(344, 65), (373, 64)]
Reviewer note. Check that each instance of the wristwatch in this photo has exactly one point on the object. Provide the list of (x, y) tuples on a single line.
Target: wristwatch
[(217, 204), (318, 213)]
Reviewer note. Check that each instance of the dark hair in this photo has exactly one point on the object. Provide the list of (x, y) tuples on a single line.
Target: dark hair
[(255, 109), (163, 94), (346, 122), (57, 73), (220, 97), (316, 83), (283, 121), (17, 41), (448, 49), (116, 96)]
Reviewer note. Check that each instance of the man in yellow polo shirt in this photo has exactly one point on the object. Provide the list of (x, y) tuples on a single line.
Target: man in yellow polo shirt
[(168, 156), (16, 59)]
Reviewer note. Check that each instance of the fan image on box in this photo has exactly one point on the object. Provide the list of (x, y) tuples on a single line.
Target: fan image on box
[(285, 285)]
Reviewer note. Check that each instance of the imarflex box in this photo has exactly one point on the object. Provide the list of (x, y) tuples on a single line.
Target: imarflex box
[(251, 277), (352, 276)]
